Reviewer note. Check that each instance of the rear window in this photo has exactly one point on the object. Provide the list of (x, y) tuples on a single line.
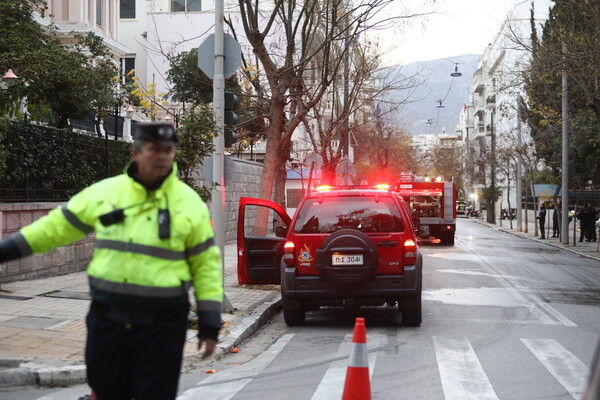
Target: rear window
[(362, 213)]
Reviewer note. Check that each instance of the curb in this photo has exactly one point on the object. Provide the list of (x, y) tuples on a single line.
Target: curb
[(248, 325), (45, 376), (23, 375), (577, 252)]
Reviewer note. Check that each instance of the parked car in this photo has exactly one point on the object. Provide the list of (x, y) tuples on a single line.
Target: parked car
[(344, 246), (505, 215)]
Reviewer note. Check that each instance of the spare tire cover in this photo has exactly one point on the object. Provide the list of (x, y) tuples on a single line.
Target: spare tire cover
[(347, 242)]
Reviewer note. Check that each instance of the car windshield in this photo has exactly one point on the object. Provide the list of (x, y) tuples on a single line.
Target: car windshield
[(362, 213)]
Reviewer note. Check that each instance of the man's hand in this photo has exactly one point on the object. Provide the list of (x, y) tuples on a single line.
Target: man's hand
[(209, 348)]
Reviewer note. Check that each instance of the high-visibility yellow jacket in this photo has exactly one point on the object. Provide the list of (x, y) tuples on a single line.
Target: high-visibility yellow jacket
[(132, 268)]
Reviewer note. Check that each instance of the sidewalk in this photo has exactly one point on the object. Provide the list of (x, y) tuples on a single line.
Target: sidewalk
[(584, 249), (42, 325)]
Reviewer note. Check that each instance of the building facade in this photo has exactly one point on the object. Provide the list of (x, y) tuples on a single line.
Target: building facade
[(489, 122)]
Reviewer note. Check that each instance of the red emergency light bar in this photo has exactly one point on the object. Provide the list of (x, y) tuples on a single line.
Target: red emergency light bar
[(379, 186), (419, 192)]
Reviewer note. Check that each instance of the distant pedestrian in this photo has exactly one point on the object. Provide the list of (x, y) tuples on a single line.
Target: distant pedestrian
[(587, 217), (154, 241), (542, 220), (555, 224)]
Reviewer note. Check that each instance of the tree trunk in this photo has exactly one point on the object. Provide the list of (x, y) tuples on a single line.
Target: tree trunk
[(268, 177)]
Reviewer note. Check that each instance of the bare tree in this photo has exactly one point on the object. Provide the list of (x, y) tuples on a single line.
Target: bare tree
[(300, 47)]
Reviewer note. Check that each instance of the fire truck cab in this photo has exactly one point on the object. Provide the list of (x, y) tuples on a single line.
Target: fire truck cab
[(432, 202)]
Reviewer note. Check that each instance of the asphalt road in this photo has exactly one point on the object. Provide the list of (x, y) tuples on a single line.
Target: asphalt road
[(504, 318)]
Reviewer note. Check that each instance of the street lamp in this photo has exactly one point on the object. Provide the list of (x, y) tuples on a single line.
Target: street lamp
[(127, 124), (455, 74), (9, 79), (175, 113), (120, 99)]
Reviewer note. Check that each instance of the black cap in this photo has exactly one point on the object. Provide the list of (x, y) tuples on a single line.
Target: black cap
[(156, 132)]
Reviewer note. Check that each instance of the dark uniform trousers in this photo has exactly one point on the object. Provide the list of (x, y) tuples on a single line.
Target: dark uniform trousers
[(139, 362)]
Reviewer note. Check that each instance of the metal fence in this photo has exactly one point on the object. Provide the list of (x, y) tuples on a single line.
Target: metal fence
[(577, 199), (48, 164)]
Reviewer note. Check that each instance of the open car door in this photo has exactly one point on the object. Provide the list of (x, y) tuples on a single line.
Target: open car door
[(260, 248)]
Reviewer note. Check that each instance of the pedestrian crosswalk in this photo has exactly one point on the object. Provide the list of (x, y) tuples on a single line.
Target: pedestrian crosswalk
[(460, 371)]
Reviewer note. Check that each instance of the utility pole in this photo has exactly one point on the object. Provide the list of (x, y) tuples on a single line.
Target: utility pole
[(493, 167), (218, 191), (519, 172), (217, 204), (564, 234)]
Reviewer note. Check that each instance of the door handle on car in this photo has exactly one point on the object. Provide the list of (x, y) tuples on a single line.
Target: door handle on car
[(388, 243)]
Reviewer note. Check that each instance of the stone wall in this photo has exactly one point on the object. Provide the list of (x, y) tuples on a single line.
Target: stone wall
[(76, 256), (65, 259), (246, 183)]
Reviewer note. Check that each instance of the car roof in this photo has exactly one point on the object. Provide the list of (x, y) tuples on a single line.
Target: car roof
[(350, 192)]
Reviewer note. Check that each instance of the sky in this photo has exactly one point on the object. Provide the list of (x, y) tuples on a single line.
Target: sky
[(456, 27)]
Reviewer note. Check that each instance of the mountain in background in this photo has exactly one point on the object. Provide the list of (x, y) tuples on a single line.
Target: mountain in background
[(421, 113)]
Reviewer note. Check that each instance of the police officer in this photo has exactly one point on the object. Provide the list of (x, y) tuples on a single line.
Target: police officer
[(154, 240), (542, 220), (587, 215)]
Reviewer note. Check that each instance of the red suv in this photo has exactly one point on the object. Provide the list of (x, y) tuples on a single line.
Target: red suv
[(344, 246)]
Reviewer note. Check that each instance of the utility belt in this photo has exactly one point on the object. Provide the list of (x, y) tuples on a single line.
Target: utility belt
[(141, 317)]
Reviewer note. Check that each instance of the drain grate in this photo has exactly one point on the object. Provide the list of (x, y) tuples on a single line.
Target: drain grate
[(10, 297), (66, 294)]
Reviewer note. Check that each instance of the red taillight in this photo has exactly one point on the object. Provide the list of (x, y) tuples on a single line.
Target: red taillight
[(448, 227), (410, 252), (288, 247), (288, 257)]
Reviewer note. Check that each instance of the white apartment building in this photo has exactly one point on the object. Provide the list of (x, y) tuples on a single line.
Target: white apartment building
[(496, 86), (154, 30), (82, 16)]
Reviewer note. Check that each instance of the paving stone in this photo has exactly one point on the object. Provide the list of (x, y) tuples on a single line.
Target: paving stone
[(30, 322)]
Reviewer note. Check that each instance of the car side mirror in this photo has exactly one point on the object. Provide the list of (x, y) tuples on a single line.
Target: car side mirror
[(281, 231)]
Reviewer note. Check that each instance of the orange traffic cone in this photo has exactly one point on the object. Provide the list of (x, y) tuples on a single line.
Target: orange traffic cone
[(357, 386)]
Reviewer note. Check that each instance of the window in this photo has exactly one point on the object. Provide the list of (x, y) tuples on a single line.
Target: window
[(127, 10), (99, 12), (294, 196), (186, 5), (127, 64), (362, 213)]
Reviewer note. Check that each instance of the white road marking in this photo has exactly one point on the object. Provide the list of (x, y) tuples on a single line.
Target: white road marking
[(561, 363), (461, 373), (226, 384), (332, 383), (74, 392), (540, 309)]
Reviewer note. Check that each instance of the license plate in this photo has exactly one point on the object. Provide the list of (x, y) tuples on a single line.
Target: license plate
[(344, 259)]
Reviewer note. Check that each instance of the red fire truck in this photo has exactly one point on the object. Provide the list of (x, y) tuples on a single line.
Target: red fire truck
[(432, 201)]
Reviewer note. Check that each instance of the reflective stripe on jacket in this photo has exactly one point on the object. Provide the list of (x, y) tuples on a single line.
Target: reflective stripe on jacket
[(130, 258)]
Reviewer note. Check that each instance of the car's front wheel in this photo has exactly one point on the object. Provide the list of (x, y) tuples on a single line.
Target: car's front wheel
[(294, 317)]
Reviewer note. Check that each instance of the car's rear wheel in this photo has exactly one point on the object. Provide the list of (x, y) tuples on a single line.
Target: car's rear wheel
[(447, 238), (411, 311)]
